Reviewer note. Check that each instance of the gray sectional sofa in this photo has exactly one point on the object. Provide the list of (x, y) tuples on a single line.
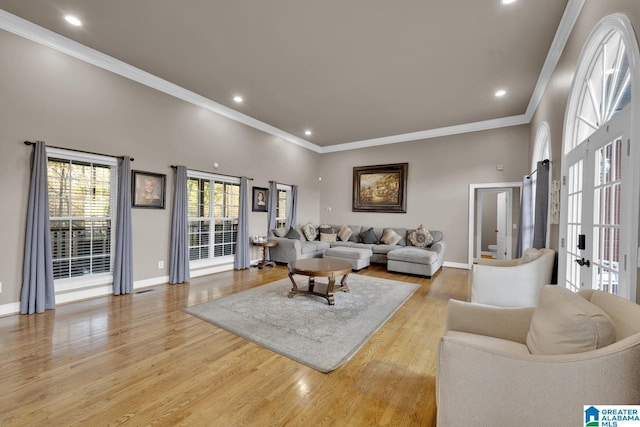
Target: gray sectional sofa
[(401, 257)]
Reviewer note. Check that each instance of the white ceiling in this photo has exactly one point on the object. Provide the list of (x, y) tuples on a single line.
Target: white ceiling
[(355, 72)]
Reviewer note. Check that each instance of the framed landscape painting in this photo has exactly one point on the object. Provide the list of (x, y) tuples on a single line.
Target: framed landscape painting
[(380, 188)]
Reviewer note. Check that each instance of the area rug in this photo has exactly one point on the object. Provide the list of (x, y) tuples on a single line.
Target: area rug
[(305, 328)]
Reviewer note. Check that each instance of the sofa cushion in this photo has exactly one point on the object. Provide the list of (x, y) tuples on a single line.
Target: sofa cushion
[(309, 231), (383, 249), (363, 246), (368, 236), (566, 323), (420, 237), (281, 231), (344, 233), (390, 237), (414, 255), (292, 234)]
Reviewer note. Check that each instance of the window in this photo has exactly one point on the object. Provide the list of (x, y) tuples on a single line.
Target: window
[(604, 87), (81, 190), (281, 210), (213, 215)]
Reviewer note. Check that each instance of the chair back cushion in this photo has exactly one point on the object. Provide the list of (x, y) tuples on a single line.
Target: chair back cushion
[(566, 323), (529, 255)]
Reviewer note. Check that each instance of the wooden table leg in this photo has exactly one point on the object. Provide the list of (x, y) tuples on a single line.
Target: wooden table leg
[(264, 262), (294, 288)]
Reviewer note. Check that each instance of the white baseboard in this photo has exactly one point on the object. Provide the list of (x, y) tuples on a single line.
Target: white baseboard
[(9, 309), (456, 265)]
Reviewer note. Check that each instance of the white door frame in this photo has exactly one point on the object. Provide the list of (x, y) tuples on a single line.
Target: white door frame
[(472, 209)]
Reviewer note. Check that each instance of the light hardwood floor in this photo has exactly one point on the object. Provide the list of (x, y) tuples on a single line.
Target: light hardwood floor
[(138, 360)]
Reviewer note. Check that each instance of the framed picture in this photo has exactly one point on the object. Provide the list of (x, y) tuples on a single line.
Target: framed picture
[(380, 188), (148, 189), (260, 199)]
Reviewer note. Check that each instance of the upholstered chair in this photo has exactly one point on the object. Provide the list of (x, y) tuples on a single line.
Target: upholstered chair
[(527, 366), (512, 283)]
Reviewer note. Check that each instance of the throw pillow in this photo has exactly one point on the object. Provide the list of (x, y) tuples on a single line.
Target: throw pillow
[(369, 237), (292, 234), (420, 237), (280, 231), (566, 323), (309, 231), (328, 237), (324, 228), (344, 233), (390, 237)]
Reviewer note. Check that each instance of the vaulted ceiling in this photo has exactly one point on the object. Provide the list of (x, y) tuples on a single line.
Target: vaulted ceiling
[(351, 71)]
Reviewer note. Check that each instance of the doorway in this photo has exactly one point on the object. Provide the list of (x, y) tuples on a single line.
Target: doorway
[(492, 209)]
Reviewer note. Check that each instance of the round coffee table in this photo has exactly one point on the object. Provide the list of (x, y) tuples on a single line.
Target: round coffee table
[(319, 267)]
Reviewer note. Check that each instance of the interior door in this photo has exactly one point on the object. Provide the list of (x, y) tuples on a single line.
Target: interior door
[(501, 224), (596, 251)]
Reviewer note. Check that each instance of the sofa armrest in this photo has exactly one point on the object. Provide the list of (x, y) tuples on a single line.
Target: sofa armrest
[(438, 247), (477, 382), (287, 250), (500, 322)]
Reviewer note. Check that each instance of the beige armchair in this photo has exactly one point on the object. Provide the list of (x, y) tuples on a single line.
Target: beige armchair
[(487, 374), (512, 283)]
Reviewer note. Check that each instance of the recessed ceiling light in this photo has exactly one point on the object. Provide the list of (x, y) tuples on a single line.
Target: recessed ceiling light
[(500, 93), (508, 1), (307, 132), (73, 20), (238, 99)]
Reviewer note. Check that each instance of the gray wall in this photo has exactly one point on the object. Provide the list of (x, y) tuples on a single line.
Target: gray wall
[(49, 96), (440, 172)]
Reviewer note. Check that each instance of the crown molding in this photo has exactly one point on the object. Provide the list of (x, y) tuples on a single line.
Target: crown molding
[(569, 18), (431, 133), (43, 36)]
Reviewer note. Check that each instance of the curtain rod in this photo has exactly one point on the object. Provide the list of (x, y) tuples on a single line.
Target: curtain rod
[(214, 173), (283, 183), (544, 162), (80, 151)]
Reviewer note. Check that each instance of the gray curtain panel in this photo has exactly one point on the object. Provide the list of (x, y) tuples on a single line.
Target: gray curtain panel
[(179, 251), (123, 254), (37, 279), (272, 206), (241, 259), (542, 206), (292, 217), (525, 237)]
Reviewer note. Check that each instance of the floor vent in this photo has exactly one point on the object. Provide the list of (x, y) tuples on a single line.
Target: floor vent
[(145, 291)]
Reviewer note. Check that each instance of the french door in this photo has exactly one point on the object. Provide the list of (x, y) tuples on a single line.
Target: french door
[(595, 249)]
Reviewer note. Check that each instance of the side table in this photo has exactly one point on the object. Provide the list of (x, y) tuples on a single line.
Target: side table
[(264, 262)]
